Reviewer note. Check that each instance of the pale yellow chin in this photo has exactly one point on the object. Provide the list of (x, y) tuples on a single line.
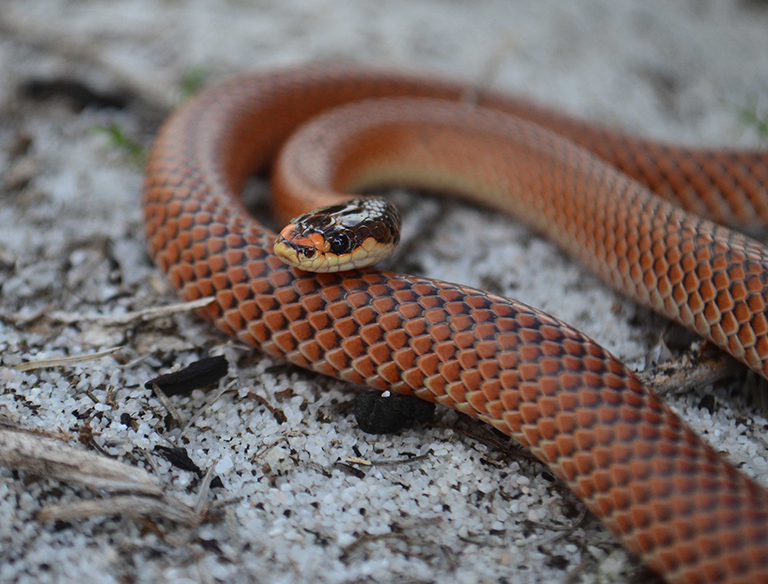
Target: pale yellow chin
[(327, 262), (286, 254)]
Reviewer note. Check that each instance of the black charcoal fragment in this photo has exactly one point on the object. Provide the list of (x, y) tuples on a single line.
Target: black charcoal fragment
[(194, 376)]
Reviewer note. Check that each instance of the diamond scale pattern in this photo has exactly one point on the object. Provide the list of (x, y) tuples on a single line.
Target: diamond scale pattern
[(687, 512)]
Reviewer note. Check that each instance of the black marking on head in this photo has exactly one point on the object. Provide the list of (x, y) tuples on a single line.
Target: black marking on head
[(314, 222), (334, 209)]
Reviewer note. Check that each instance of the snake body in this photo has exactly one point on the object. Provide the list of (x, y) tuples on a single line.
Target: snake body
[(670, 497)]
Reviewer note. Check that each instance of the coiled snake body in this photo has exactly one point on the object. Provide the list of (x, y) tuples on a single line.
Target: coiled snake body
[(672, 500)]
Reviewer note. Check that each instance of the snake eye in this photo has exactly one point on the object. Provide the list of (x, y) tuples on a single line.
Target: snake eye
[(308, 252), (340, 243)]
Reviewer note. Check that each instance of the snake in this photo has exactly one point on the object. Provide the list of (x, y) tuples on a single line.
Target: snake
[(638, 213)]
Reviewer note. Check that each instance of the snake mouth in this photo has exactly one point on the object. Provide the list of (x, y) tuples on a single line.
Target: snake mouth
[(292, 253), (302, 251), (306, 254), (299, 250), (309, 258)]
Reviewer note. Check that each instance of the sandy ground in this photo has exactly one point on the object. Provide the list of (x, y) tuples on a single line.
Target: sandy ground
[(435, 505)]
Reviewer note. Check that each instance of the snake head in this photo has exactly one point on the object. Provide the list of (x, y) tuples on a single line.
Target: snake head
[(346, 236)]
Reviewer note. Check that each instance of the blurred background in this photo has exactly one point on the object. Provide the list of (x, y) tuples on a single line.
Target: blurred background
[(620, 61)]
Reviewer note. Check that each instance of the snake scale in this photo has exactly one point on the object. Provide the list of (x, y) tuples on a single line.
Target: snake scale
[(687, 512)]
